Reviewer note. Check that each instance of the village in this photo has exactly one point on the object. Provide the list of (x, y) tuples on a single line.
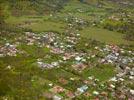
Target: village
[(76, 62), (84, 51)]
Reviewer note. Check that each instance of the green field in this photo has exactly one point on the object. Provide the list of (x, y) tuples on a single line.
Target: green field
[(102, 73), (104, 35), (37, 23)]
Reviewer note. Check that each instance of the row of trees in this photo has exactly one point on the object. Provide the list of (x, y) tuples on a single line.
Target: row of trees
[(35, 6), (125, 27), (3, 13), (22, 7)]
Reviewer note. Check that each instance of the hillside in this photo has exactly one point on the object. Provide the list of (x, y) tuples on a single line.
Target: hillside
[(66, 50)]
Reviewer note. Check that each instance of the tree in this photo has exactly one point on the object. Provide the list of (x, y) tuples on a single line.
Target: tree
[(1, 14)]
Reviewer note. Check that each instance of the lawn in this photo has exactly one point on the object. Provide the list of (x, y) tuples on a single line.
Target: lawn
[(37, 23), (102, 72), (22, 19), (34, 51), (47, 26), (104, 35)]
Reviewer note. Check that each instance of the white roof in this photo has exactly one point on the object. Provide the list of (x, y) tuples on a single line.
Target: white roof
[(132, 92), (78, 58), (56, 97), (95, 92)]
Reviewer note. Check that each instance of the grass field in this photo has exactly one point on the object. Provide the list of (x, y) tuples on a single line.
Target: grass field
[(20, 20), (101, 72), (104, 35), (47, 26), (37, 23)]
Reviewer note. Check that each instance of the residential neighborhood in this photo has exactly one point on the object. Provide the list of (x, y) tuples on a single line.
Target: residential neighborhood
[(66, 50)]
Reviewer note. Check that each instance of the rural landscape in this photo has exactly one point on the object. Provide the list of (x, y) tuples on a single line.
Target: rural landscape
[(66, 49)]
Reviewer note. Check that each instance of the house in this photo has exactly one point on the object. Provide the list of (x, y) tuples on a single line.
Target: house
[(112, 86), (9, 67), (91, 77), (56, 50), (63, 81), (103, 93), (114, 79), (78, 58), (56, 97), (68, 56), (70, 94), (8, 49), (95, 92), (82, 89), (50, 84), (46, 65), (57, 89), (79, 66), (132, 92), (48, 95), (55, 64)]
